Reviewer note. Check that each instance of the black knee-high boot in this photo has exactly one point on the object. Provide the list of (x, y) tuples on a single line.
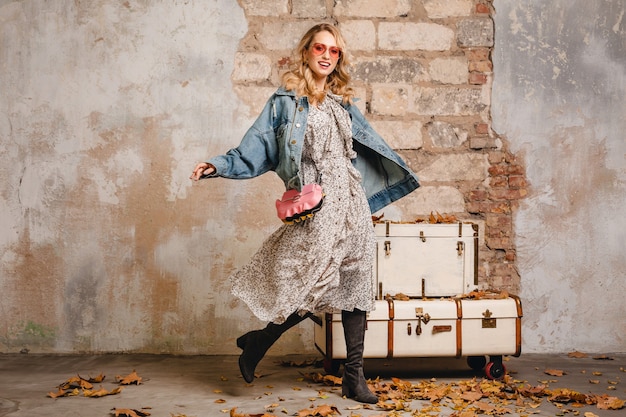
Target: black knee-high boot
[(353, 382), (256, 343)]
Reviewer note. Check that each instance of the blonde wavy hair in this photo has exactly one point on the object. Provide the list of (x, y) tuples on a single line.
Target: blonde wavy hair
[(300, 77)]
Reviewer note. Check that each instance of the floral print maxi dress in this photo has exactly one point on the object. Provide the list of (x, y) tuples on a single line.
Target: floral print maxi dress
[(323, 264)]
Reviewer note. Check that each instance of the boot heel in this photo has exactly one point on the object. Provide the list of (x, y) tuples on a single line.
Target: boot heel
[(346, 391)]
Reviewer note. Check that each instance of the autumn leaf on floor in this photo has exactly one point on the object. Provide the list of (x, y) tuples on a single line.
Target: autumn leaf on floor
[(129, 379), (234, 413), (554, 372), (577, 355), (94, 380), (604, 402), (76, 382), (603, 358), (564, 395), (324, 379), (64, 393), (127, 412), (321, 411), (101, 392)]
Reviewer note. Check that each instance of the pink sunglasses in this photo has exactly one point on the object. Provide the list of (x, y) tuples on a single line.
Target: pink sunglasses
[(320, 48)]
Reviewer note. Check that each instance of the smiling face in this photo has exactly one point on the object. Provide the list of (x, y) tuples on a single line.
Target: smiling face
[(322, 57)]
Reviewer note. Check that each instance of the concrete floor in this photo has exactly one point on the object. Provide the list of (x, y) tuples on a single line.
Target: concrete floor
[(212, 386)]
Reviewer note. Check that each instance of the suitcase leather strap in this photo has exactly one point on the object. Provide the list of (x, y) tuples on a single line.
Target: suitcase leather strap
[(390, 322)]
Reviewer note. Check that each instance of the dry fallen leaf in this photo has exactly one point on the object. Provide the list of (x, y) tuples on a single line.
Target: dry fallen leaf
[(129, 379), (101, 392), (604, 402), (94, 380), (554, 372), (577, 354), (64, 393), (76, 382), (321, 411), (127, 412)]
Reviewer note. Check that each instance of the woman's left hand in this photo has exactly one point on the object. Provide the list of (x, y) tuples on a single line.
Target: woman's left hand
[(202, 170)]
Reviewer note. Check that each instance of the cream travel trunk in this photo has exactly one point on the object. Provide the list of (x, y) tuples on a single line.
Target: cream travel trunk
[(423, 275)]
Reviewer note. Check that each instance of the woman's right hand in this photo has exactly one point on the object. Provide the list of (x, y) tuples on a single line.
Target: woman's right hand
[(202, 170)]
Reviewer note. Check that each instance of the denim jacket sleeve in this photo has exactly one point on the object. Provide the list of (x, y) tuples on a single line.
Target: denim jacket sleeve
[(256, 154), (386, 177)]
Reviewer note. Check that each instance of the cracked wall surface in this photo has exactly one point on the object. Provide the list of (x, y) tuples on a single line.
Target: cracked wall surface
[(560, 81)]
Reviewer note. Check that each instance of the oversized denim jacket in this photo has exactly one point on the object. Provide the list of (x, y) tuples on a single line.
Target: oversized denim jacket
[(274, 143)]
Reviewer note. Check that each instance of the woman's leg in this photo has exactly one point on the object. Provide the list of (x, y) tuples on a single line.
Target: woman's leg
[(353, 382), (256, 343)]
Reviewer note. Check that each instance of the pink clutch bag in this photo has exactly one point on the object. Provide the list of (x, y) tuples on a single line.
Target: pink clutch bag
[(296, 206)]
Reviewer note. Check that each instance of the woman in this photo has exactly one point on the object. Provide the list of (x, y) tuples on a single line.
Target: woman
[(309, 131)]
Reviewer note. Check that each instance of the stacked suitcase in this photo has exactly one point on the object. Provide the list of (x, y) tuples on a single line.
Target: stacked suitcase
[(423, 275)]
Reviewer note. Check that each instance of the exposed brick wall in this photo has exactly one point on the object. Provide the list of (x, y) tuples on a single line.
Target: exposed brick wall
[(424, 72)]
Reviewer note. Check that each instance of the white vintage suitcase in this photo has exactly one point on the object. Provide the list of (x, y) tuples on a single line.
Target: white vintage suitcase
[(444, 327), (426, 260)]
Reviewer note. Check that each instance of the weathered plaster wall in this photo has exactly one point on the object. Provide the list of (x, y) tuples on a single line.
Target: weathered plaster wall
[(105, 108), (559, 97)]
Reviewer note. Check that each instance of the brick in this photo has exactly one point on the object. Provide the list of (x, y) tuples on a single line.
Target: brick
[(478, 195), (475, 32), (481, 128), (508, 194), (389, 70), (398, 36), (501, 207), (482, 207), (437, 9), (449, 70), (360, 35), (500, 169), (390, 99), (499, 181), (496, 158), (282, 35), (515, 170), (484, 142), (498, 243), (251, 67), (478, 54), (477, 78), (309, 8), (400, 134), (456, 167), (265, 7), (372, 8), (517, 181), (480, 66), (445, 135), (442, 101), (498, 221), (482, 9)]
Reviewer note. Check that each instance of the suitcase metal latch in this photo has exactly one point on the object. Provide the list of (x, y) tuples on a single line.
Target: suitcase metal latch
[(488, 322), (387, 247), (421, 318)]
